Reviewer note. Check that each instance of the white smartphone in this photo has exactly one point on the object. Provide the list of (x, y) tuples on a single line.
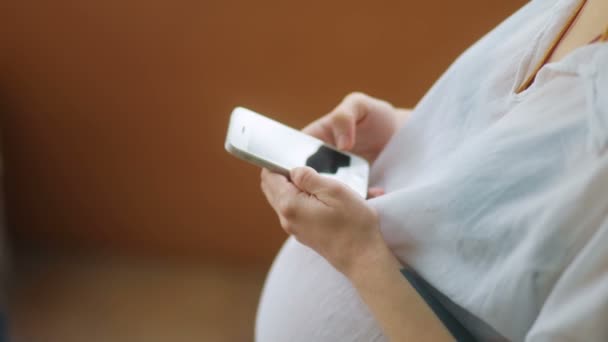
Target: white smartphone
[(270, 144)]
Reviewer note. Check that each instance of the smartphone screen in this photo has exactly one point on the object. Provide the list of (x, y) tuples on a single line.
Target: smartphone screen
[(288, 148)]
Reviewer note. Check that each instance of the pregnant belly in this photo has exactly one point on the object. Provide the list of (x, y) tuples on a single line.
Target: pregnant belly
[(305, 299)]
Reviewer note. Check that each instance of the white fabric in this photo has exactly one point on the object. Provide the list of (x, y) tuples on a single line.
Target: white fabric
[(504, 195)]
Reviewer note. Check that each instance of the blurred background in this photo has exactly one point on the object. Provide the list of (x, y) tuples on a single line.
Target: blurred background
[(127, 220)]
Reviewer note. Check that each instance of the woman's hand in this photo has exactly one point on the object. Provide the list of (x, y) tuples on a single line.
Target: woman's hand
[(325, 215), (337, 223), (360, 124)]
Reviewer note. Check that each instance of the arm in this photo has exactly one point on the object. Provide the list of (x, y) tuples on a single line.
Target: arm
[(401, 312), (339, 225), (342, 228)]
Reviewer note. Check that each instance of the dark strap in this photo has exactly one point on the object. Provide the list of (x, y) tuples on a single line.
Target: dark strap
[(3, 328), (454, 326)]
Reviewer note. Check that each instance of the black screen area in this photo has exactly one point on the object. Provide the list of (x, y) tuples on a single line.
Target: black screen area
[(326, 160)]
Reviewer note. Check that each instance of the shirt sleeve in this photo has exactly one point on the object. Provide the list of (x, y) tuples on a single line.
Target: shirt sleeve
[(577, 306)]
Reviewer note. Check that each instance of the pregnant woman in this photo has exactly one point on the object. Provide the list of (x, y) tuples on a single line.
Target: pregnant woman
[(488, 212)]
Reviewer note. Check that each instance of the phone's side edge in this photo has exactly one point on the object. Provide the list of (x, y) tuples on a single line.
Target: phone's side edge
[(253, 159)]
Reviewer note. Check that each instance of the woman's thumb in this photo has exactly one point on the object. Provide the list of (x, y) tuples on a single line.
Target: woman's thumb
[(307, 179)]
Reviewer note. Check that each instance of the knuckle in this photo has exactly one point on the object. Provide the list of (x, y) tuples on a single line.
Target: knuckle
[(335, 190), (288, 227), (287, 209), (355, 96), (342, 119), (303, 176), (353, 105), (341, 116)]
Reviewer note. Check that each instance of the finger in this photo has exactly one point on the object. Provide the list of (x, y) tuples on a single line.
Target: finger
[(320, 130), (308, 180), (288, 202), (375, 192), (276, 187), (348, 114), (343, 130)]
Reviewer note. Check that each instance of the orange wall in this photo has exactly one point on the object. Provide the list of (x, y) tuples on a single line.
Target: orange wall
[(118, 109)]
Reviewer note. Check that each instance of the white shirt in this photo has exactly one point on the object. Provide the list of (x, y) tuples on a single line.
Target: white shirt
[(503, 195)]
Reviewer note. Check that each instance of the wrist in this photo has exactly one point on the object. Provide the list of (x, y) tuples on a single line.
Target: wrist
[(375, 256)]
